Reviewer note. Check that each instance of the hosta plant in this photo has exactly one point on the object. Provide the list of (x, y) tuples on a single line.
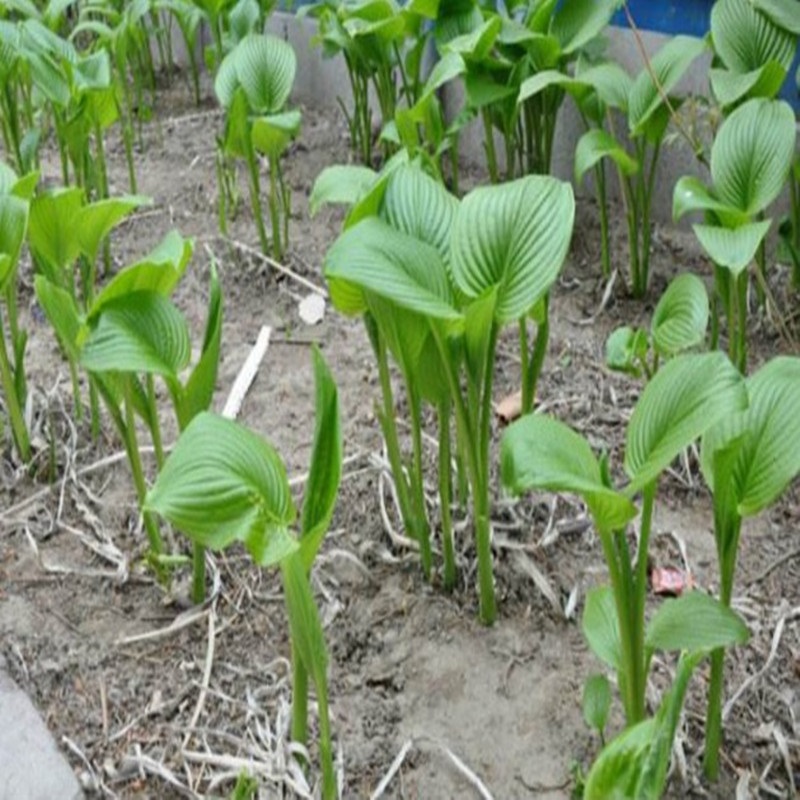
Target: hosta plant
[(253, 85), (687, 396), (754, 46), (222, 484), (679, 323), (748, 459), (647, 105), (750, 161), (14, 207), (436, 282)]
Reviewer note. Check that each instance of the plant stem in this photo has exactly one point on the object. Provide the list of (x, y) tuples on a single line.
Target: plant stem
[(274, 210), (255, 194), (198, 573), (422, 528), (132, 448), (491, 154), (155, 425), (299, 698), (602, 203), (445, 493), (15, 412)]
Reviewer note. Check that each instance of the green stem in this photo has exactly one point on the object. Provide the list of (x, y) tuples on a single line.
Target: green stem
[(198, 573), (299, 698), (527, 400), (422, 527), (445, 494), (602, 203), (155, 424), (255, 194), (491, 154), (15, 411), (132, 448), (530, 377), (274, 210), (741, 324)]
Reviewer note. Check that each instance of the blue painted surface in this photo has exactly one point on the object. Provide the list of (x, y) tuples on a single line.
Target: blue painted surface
[(690, 17)]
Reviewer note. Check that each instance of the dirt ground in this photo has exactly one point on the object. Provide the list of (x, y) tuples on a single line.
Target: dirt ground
[(149, 697)]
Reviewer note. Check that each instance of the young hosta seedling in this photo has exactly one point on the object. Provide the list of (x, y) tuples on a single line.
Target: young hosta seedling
[(648, 117), (755, 45), (456, 284), (14, 207), (222, 484), (686, 397), (750, 160), (253, 86), (748, 459), (597, 703), (679, 323)]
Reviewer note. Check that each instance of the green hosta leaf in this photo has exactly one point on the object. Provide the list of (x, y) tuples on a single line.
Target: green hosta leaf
[(514, 236), (478, 325), (732, 248), (13, 223), (601, 626), (746, 39), (372, 256), (96, 220), (325, 473), (540, 81), (172, 250), (369, 205), (681, 316), (221, 484), (769, 453), (416, 204), (596, 702), (197, 394), (542, 453), (23, 187), (341, 184), (694, 621), (752, 154), (52, 233), (783, 13), (576, 23), (597, 144), (668, 65), (477, 44), (730, 87), (271, 134), (60, 309), (691, 194), (634, 765), (611, 83), (687, 396), (625, 349), (449, 67), (264, 66), (138, 332)]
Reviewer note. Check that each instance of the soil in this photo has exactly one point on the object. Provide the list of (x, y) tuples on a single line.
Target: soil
[(151, 698)]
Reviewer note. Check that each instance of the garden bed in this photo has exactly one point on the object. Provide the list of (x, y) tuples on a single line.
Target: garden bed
[(151, 698)]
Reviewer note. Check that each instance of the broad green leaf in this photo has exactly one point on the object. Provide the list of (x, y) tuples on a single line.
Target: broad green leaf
[(668, 65), (319, 498), (374, 257), (96, 220), (752, 154), (174, 250), (694, 621), (222, 483), (611, 83), (691, 194), (513, 236), (341, 184), (197, 394), (769, 453), (745, 39), (264, 66), (52, 233), (597, 144), (61, 311), (634, 765), (539, 452), (681, 317), (596, 701), (449, 67), (369, 204), (477, 44), (732, 248), (416, 204), (783, 13), (625, 348), (576, 23), (138, 332), (687, 396), (477, 340), (601, 627), (540, 81), (731, 87), (13, 223), (271, 134)]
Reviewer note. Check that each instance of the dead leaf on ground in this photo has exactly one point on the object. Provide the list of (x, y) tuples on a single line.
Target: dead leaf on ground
[(509, 408)]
